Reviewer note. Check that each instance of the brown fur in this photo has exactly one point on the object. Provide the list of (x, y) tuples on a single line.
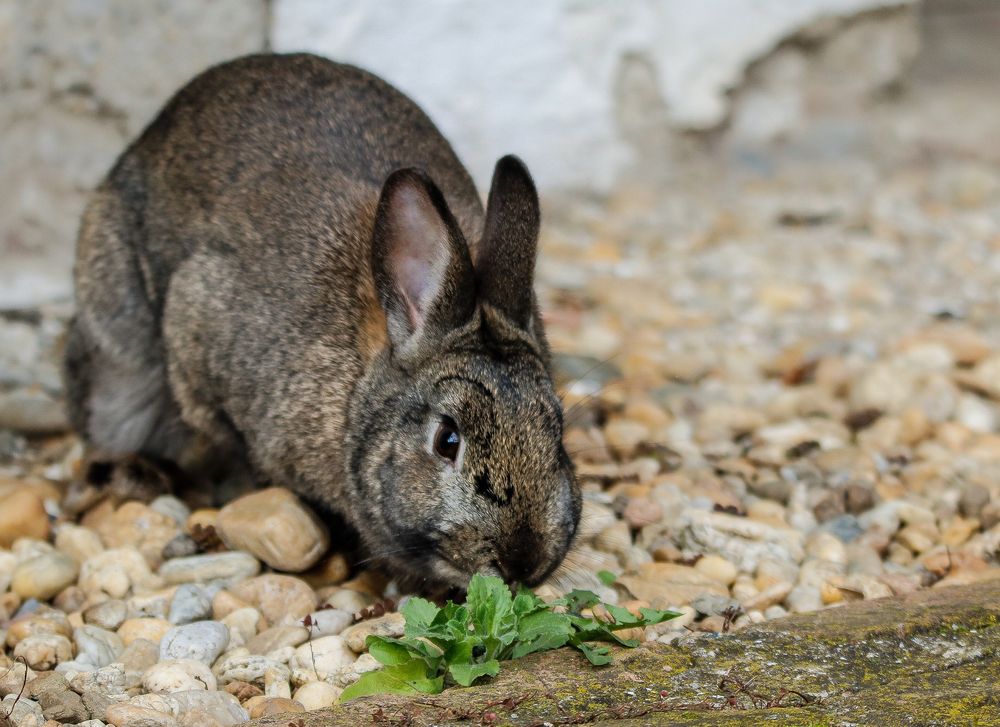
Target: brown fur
[(279, 266)]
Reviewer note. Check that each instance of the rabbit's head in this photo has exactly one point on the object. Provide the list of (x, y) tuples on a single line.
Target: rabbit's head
[(456, 458)]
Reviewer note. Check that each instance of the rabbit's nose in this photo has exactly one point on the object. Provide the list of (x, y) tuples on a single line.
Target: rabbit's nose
[(521, 560)]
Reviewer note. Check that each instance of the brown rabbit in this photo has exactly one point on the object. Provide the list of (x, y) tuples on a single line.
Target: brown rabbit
[(278, 267)]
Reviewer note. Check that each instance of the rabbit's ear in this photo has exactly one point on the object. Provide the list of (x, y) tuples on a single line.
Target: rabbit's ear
[(420, 262), (505, 259)]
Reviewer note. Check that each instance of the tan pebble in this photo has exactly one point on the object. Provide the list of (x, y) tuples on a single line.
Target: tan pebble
[(717, 568), (224, 603), (642, 511), (47, 621), (667, 553), (899, 554), (243, 624), (743, 588), (76, 619), (139, 526), (151, 629), (44, 576), (331, 571), (127, 715), (346, 599), (43, 652), (252, 704), (918, 538), (831, 594), (615, 539), (317, 695), (274, 525), (958, 531), (962, 577), (178, 675), (370, 582), (389, 625), (767, 511), (625, 436), (273, 705), (96, 515), (22, 515), (826, 546), (668, 584), (205, 517), (77, 542), (323, 657), (280, 599), (772, 595)]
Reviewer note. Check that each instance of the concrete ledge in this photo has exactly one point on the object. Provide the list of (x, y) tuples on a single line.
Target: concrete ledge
[(932, 658)]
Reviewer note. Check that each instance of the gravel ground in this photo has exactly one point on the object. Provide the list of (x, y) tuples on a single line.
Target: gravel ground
[(783, 394)]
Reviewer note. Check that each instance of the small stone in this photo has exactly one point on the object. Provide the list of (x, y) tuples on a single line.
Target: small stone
[(201, 641), (625, 436), (275, 526), (827, 547), (328, 622), (280, 599), (178, 675), (858, 498), (717, 568), (190, 603), (173, 508), (78, 543), (667, 584), (127, 715), (43, 621), (180, 546), (243, 625), (240, 665), (277, 637), (44, 576), (234, 566), (108, 614), (209, 709), (324, 656), (138, 526), (390, 626), (272, 706), (974, 498), (57, 701), (43, 652), (918, 538), (317, 695), (22, 712), (97, 646), (22, 515), (804, 598), (150, 629), (115, 572), (831, 505), (774, 594), (330, 571), (642, 511)]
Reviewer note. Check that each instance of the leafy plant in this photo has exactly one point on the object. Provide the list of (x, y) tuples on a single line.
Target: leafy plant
[(462, 643)]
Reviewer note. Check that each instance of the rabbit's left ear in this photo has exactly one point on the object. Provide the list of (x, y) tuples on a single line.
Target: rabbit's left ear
[(505, 259), (420, 262)]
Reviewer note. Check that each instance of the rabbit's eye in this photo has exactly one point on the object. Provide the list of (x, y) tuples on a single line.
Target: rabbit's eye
[(447, 440)]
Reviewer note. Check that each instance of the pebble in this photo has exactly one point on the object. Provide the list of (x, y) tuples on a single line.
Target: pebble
[(173, 508), (58, 702), (275, 526), (78, 543), (127, 715), (97, 646), (717, 568), (178, 675), (243, 625), (232, 567), (200, 708), (272, 706), (22, 712), (277, 637), (116, 572), (666, 584), (390, 626), (317, 695), (150, 629), (323, 657), (22, 515), (138, 526), (190, 603), (44, 576), (201, 641), (108, 614), (280, 599), (330, 621), (43, 652)]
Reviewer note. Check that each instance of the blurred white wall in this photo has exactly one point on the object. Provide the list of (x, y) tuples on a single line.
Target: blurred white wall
[(546, 79)]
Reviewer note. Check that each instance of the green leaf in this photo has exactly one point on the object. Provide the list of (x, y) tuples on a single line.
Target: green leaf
[(388, 651), (465, 674), (607, 577), (598, 656), (576, 601), (408, 678), (541, 631), (419, 614), (491, 608)]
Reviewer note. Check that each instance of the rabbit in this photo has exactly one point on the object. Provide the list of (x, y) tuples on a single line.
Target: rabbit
[(290, 272)]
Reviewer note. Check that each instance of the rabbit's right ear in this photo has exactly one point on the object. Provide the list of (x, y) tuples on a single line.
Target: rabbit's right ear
[(420, 262)]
